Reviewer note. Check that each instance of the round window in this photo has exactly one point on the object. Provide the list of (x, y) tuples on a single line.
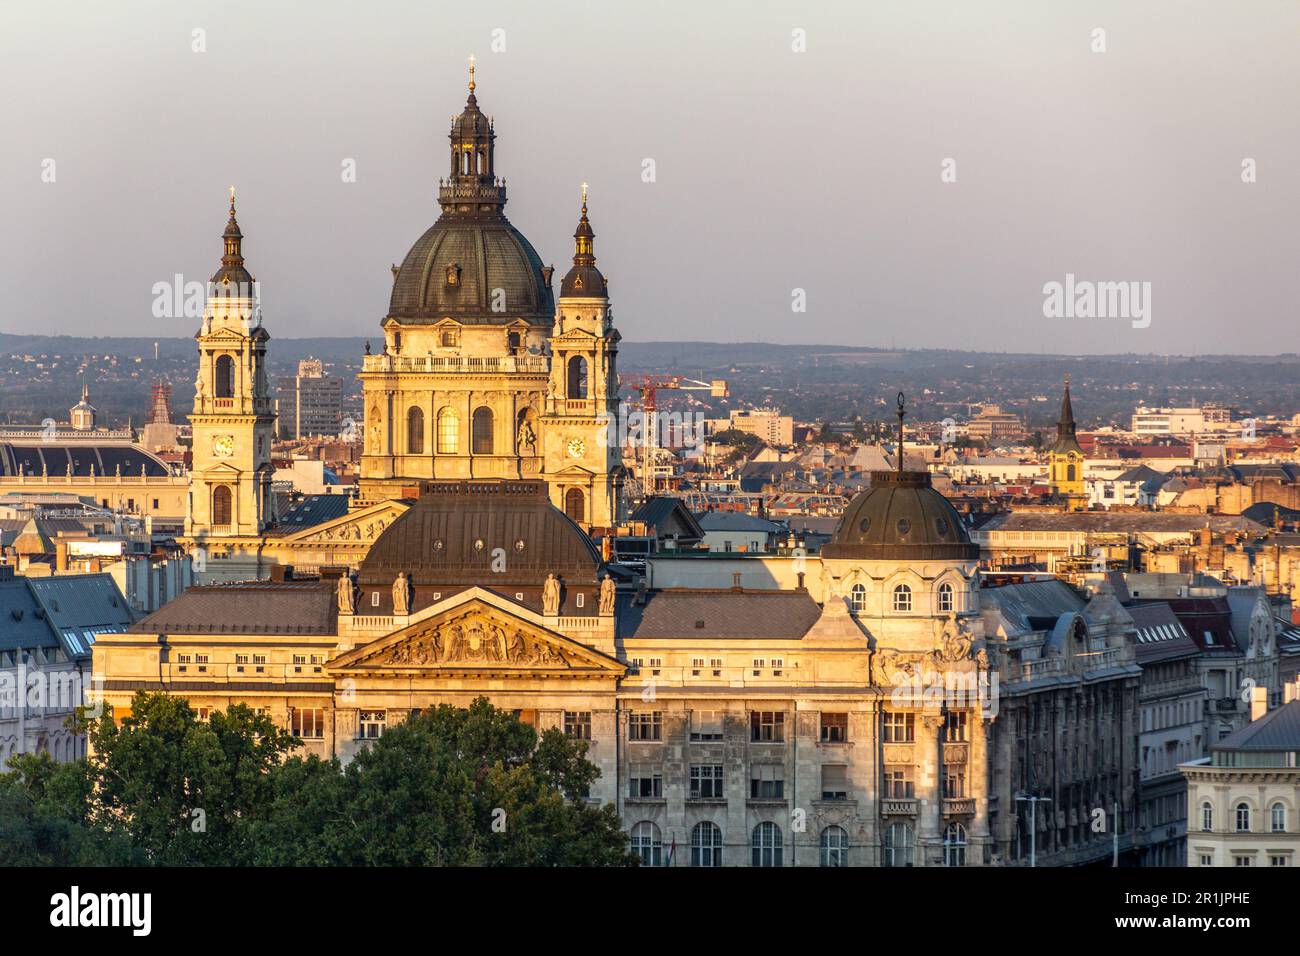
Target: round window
[(864, 524), (519, 545), (941, 525), (904, 526), (437, 544), (478, 544)]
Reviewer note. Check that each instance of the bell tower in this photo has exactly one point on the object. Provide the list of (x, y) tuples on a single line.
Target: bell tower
[(579, 427), (233, 418), (1065, 459)]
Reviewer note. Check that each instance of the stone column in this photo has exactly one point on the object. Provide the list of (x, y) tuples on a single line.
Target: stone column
[(929, 791), (979, 786)]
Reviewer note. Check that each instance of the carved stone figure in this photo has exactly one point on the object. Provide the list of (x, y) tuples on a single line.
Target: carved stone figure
[(954, 642), (516, 647), (346, 594), (526, 437), (551, 596), (607, 594), (401, 595)]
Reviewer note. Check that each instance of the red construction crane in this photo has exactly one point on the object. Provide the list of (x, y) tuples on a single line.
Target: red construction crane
[(648, 386)]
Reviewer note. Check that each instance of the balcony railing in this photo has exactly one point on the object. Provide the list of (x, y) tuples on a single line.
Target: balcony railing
[(436, 364), (898, 807), (958, 806)]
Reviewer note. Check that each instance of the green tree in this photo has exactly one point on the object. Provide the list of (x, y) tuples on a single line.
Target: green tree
[(447, 787), (179, 787), (44, 810)]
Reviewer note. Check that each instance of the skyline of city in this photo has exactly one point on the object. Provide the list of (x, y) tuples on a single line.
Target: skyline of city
[(859, 225)]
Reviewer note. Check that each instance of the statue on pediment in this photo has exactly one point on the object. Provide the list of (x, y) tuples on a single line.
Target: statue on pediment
[(607, 595), (347, 594), (551, 595), (401, 595)]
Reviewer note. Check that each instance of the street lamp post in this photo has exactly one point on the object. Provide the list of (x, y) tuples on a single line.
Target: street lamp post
[(1033, 823)]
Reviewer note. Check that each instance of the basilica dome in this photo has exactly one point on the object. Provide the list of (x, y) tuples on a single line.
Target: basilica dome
[(901, 517), (453, 270), (472, 265)]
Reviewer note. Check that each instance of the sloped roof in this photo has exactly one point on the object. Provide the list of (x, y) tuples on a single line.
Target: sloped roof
[(1279, 729), (22, 621), (314, 510), (261, 607), (718, 614), (1160, 635)]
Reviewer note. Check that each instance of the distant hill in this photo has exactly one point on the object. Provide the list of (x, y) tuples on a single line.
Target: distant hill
[(40, 376)]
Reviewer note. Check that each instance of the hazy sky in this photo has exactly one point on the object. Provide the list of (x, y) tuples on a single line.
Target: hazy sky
[(776, 169)]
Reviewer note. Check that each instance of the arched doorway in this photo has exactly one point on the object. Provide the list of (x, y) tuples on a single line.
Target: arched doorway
[(575, 504), (222, 507)]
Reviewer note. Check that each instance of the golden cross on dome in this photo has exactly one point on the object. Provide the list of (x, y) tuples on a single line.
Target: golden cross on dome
[(471, 72), (584, 196)]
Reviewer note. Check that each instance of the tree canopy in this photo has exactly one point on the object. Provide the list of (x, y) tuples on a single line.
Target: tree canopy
[(447, 787)]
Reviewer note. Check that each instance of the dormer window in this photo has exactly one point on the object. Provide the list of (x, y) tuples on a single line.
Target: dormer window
[(453, 274), (448, 338)]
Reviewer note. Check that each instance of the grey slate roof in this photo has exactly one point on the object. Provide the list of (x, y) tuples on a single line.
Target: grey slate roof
[(1279, 729), (22, 622), (718, 614), (261, 607), (1160, 635), (1032, 605), (314, 510)]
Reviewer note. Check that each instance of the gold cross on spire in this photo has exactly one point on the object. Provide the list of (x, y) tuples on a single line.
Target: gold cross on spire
[(471, 72), (584, 197)]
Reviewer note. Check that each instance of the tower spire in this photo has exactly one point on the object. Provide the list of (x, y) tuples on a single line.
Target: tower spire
[(471, 72), (902, 413), (232, 257), (584, 279)]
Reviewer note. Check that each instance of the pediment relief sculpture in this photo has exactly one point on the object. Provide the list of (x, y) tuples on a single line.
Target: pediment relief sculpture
[(474, 638)]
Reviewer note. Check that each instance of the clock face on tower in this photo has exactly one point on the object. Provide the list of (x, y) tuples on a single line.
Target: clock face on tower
[(577, 447), (223, 446)]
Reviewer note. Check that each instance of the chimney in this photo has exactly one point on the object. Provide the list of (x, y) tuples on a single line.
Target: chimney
[(1258, 702), (1206, 537), (60, 555), (801, 585)]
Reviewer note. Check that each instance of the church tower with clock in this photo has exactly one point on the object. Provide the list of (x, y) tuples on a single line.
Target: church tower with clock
[(234, 416), (580, 421)]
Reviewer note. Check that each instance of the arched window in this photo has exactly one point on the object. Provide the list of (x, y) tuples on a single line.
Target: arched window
[(945, 598), (224, 386), (1243, 818), (766, 845), (221, 505), (415, 431), (448, 431), (647, 844), (1207, 817), (835, 847), (481, 428), (1279, 818), (898, 845), (1069, 473), (858, 598), (954, 845), (577, 378), (902, 598), (575, 504), (706, 845)]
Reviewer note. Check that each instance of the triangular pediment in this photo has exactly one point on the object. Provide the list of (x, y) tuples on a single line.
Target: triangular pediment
[(478, 635), (366, 524), (573, 472), (574, 335)]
